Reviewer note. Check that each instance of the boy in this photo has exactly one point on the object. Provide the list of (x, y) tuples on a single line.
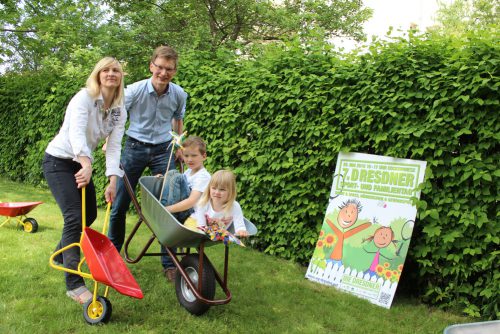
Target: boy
[(192, 184)]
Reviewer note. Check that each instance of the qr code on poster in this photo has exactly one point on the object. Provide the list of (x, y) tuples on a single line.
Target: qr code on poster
[(384, 298)]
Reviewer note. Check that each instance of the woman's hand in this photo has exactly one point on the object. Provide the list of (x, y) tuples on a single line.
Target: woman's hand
[(83, 176), (110, 193), (85, 173)]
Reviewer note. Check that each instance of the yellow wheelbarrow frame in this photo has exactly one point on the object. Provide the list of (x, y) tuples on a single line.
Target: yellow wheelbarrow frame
[(96, 247), (16, 213)]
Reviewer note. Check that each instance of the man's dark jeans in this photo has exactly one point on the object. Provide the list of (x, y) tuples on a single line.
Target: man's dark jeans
[(135, 158)]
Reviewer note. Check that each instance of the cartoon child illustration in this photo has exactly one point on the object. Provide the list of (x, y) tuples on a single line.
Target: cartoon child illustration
[(382, 238), (347, 217)]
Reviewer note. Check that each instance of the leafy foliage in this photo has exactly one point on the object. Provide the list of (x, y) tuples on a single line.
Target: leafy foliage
[(209, 24), (32, 31), (462, 16), (280, 118)]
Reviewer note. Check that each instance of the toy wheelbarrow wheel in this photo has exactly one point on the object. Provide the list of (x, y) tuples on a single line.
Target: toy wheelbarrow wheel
[(29, 225), (186, 297), (97, 312)]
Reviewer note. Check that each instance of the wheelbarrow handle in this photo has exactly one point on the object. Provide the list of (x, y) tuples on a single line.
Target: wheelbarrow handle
[(143, 251)]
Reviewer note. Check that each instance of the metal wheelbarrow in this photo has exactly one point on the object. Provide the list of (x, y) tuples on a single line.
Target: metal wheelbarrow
[(196, 277), (106, 266), (18, 211)]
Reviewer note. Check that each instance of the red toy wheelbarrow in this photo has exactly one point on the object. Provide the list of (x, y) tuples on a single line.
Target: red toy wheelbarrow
[(17, 211), (106, 267)]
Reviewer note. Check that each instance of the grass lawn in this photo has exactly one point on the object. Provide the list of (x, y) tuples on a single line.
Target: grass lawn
[(270, 295)]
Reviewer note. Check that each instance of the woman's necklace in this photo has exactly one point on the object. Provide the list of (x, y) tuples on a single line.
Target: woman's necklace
[(105, 112)]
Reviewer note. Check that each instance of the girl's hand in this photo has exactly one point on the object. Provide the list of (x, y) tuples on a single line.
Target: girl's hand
[(83, 176), (243, 234), (226, 220)]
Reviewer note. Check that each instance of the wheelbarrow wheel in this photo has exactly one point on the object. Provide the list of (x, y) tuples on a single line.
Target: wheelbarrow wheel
[(30, 225), (97, 312), (186, 297)]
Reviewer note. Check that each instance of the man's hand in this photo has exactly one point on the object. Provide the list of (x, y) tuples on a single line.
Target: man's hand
[(179, 156)]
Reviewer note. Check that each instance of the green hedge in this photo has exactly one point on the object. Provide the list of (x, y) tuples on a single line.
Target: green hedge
[(279, 120)]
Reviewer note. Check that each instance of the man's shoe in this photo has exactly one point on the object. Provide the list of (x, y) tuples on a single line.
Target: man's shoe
[(170, 274)]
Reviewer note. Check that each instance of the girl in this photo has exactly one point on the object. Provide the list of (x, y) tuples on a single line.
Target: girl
[(94, 113), (382, 238), (218, 205)]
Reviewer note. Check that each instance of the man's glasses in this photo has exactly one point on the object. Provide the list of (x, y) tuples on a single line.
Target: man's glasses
[(166, 69)]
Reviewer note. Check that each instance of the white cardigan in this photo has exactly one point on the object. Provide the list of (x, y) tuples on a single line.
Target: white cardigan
[(85, 124)]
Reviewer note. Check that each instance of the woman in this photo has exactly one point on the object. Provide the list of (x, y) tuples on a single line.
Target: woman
[(94, 113)]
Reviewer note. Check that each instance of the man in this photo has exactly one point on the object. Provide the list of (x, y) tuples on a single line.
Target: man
[(156, 106)]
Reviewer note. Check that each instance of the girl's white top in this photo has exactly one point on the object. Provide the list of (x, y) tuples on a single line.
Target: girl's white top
[(235, 216), (85, 124)]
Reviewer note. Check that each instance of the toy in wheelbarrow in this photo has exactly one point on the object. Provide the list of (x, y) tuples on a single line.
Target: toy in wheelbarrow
[(106, 267), (17, 211), (196, 277)]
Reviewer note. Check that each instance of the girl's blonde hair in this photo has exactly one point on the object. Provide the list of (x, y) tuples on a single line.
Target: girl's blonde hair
[(94, 84), (221, 179)]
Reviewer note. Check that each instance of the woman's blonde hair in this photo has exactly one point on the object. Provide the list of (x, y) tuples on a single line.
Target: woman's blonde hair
[(94, 84), (221, 179)]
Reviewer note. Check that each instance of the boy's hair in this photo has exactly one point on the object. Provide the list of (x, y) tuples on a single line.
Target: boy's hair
[(196, 141), (165, 52), (354, 202), (93, 83), (221, 179)]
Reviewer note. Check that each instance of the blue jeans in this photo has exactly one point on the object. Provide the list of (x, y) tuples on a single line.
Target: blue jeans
[(136, 157), (176, 189), (60, 176)]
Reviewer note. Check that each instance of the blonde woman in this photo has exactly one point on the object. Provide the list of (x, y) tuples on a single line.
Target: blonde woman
[(94, 113), (218, 205)]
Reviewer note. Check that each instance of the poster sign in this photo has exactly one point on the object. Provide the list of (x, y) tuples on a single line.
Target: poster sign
[(368, 225)]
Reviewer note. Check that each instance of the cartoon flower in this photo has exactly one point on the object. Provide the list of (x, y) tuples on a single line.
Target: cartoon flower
[(319, 244), (321, 234), (386, 264), (330, 239), (400, 268), (379, 269), (388, 274)]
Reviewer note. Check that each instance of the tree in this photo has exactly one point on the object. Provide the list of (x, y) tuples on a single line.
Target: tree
[(33, 30), (210, 24), (36, 31), (462, 16)]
